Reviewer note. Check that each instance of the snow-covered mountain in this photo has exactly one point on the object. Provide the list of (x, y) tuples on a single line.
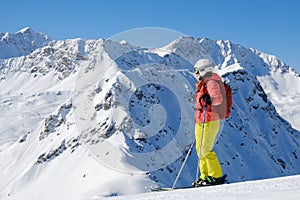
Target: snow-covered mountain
[(83, 118), (21, 43)]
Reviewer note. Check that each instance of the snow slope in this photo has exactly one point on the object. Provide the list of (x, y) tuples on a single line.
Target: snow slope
[(96, 118), (276, 188)]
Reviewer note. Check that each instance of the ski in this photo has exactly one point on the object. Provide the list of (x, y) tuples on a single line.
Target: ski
[(161, 189)]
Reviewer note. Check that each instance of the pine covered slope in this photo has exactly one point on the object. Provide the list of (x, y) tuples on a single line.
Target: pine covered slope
[(88, 117)]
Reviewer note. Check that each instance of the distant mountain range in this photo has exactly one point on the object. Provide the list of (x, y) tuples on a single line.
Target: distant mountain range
[(81, 118)]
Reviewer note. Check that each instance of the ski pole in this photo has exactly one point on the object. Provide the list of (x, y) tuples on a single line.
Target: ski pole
[(199, 156), (181, 168)]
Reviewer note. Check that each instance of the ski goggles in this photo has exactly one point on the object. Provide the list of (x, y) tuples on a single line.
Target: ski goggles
[(195, 70)]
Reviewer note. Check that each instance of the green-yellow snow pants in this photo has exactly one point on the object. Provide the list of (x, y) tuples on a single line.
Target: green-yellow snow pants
[(209, 164)]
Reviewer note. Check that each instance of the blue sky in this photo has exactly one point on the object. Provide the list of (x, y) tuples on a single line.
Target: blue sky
[(270, 26)]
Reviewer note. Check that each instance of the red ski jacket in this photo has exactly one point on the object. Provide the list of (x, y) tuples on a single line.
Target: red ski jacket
[(212, 88)]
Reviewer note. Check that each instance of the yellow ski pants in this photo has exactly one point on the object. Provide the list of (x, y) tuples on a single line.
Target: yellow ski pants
[(209, 164)]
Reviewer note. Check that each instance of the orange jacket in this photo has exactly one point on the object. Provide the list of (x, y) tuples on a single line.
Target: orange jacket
[(211, 87)]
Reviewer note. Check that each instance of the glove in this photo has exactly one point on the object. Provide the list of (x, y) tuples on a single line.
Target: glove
[(206, 99)]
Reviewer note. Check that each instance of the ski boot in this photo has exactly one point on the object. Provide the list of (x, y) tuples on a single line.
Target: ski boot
[(209, 180), (198, 182)]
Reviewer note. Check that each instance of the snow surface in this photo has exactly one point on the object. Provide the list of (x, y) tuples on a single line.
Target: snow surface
[(84, 119), (276, 188), (21, 43)]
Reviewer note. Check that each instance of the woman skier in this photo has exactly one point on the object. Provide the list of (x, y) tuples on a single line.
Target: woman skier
[(207, 123)]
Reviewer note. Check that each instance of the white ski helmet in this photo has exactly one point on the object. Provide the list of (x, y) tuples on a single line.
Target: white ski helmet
[(203, 66)]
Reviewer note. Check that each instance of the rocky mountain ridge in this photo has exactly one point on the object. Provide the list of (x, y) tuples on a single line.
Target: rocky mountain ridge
[(108, 104)]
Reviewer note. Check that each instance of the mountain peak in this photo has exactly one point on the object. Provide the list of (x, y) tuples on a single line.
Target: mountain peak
[(183, 45), (21, 43), (25, 30)]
